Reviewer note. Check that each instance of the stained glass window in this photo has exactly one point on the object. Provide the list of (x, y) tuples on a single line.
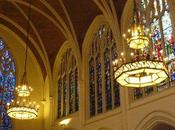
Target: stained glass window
[(68, 93), (162, 38), (156, 39), (76, 91), (59, 96), (92, 87), (103, 88), (64, 96), (108, 80), (115, 83), (99, 84), (7, 84), (71, 90)]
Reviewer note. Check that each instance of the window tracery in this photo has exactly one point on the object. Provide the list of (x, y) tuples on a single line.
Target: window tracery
[(68, 93), (103, 88)]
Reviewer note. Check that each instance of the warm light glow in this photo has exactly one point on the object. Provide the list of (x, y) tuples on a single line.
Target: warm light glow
[(22, 108), (65, 122), (23, 90), (138, 37), (138, 42), (141, 74), (23, 113)]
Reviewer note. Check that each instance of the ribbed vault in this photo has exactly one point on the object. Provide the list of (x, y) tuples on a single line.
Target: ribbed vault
[(52, 23)]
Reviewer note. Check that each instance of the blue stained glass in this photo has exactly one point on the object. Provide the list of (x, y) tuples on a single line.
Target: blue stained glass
[(156, 39), (169, 42), (59, 96), (138, 93), (71, 92), (1, 44), (76, 91), (92, 87), (148, 90), (64, 96), (99, 85), (7, 85), (116, 85), (108, 86)]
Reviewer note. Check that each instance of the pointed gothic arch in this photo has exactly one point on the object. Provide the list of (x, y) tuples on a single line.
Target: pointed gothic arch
[(155, 117)]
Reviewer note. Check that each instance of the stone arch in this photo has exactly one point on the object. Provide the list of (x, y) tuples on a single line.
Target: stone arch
[(66, 45), (152, 119)]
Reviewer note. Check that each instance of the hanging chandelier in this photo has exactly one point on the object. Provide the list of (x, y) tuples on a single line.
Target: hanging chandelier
[(143, 70), (22, 107), (24, 90)]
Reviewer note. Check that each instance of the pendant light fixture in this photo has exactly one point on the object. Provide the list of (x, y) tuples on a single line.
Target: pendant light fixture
[(143, 70), (22, 107)]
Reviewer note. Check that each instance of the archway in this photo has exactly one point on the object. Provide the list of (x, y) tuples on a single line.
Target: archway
[(162, 126), (155, 120)]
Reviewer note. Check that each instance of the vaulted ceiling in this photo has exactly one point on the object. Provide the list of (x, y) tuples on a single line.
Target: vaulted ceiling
[(52, 22)]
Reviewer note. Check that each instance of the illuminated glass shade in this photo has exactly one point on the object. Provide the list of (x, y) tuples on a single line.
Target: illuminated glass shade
[(24, 90), (137, 37), (138, 42), (22, 112), (141, 74)]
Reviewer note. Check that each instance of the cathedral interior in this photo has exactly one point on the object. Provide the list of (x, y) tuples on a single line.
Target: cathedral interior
[(74, 56)]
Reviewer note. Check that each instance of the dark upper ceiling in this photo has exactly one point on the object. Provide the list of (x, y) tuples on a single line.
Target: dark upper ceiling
[(51, 21)]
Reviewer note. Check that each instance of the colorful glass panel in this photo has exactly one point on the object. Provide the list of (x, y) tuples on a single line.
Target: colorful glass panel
[(168, 36), (169, 42), (138, 93), (148, 90), (71, 92), (59, 96), (116, 89), (99, 85), (68, 95), (76, 91), (64, 96), (163, 41), (108, 88), (103, 88), (92, 87), (157, 39), (7, 85)]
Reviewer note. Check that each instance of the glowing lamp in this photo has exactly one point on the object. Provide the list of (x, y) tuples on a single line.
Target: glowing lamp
[(22, 112), (24, 90), (141, 73), (65, 122), (137, 37)]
